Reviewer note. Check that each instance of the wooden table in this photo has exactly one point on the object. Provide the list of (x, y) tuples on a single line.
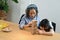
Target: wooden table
[(17, 34)]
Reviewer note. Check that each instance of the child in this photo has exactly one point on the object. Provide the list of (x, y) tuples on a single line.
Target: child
[(45, 27)]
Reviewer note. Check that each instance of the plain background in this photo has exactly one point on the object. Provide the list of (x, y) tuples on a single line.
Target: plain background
[(49, 9)]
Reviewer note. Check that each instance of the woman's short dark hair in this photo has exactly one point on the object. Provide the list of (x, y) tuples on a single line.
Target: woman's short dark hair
[(30, 7)]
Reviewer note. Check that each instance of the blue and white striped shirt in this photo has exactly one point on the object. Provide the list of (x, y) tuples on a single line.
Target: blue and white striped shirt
[(26, 20)]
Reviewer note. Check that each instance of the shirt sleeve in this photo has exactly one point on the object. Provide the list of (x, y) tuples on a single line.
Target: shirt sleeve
[(22, 23)]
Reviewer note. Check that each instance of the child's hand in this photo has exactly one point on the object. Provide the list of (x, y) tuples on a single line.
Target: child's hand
[(41, 31)]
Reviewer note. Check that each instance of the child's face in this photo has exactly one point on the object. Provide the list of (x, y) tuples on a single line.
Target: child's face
[(32, 13)]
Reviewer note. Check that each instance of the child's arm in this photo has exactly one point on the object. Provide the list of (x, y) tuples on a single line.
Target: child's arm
[(50, 33)]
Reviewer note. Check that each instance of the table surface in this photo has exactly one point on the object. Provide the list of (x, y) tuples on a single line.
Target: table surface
[(17, 34)]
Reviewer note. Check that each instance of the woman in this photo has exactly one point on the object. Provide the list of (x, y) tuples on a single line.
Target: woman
[(31, 14)]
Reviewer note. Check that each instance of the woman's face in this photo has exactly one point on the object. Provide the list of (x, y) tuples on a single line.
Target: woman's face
[(32, 13)]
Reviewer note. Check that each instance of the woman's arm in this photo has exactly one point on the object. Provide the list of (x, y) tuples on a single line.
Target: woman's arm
[(23, 26), (27, 25)]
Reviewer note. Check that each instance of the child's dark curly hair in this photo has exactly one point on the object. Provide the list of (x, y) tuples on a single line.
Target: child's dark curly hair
[(44, 23)]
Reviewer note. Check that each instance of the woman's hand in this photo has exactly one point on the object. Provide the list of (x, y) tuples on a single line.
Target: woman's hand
[(30, 23)]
